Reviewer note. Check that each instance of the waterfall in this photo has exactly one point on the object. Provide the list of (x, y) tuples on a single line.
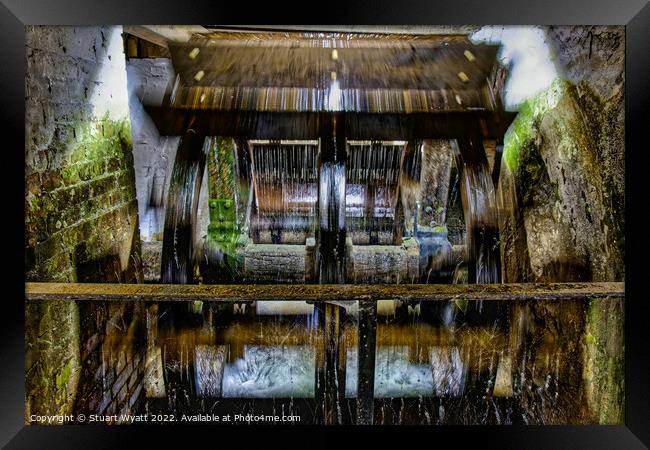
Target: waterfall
[(177, 265)]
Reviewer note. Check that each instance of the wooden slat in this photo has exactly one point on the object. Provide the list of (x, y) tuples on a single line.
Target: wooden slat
[(424, 292), (264, 63)]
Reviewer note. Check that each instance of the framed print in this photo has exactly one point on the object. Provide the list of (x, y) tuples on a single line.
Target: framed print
[(425, 225)]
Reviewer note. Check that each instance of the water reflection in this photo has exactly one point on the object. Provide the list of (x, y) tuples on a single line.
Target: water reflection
[(435, 362)]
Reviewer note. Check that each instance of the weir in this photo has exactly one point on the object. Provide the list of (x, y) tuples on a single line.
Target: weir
[(341, 217), (177, 262), (343, 167)]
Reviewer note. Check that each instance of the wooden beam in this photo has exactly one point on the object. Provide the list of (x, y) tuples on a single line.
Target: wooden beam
[(330, 366), (306, 125), (146, 34), (435, 66), (321, 293)]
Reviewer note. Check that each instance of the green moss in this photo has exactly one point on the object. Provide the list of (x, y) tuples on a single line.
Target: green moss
[(461, 304), (604, 361), (223, 230), (99, 147), (63, 377), (221, 168), (197, 307), (442, 229), (523, 129), (51, 379), (100, 139)]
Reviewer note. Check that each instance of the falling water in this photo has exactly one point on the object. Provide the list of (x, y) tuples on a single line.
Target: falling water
[(482, 238), (371, 194), (177, 264), (286, 184)]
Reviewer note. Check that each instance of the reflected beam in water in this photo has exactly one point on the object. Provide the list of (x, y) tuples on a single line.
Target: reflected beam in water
[(366, 361), (209, 361), (269, 308), (396, 376), (530, 370), (330, 365), (264, 371), (503, 382), (154, 382), (449, 371)]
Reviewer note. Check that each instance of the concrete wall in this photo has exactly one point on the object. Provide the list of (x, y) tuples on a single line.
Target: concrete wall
[(81, 218)]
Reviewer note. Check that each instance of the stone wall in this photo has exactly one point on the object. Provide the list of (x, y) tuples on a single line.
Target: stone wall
[(93, 365), (562, 174), (561, 197), (604, 361), (81, 218), (81, 212), (149, 82)]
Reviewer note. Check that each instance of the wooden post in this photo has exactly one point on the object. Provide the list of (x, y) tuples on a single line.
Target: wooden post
[(369, 214), (310, 246), (408, 191), (366, 361)]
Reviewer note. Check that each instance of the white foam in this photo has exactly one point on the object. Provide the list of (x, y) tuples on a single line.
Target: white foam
[(527, 53)]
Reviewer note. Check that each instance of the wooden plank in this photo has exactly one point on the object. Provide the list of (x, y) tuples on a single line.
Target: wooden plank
[(330, 373), (262, 63), (302, 292)]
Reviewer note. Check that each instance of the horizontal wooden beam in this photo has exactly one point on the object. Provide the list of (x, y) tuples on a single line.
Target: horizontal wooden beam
[(146, 34), (375, 64), (306, 125), (320, 293)]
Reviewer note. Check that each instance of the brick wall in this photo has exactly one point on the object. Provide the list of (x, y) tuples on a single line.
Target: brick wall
[(81, 210), (81, 218), (113, 355)]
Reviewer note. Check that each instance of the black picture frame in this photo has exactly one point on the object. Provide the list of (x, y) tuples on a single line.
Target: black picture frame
[(634, 14)]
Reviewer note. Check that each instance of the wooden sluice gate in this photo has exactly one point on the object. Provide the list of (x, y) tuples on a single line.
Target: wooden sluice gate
[(338, 157)]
